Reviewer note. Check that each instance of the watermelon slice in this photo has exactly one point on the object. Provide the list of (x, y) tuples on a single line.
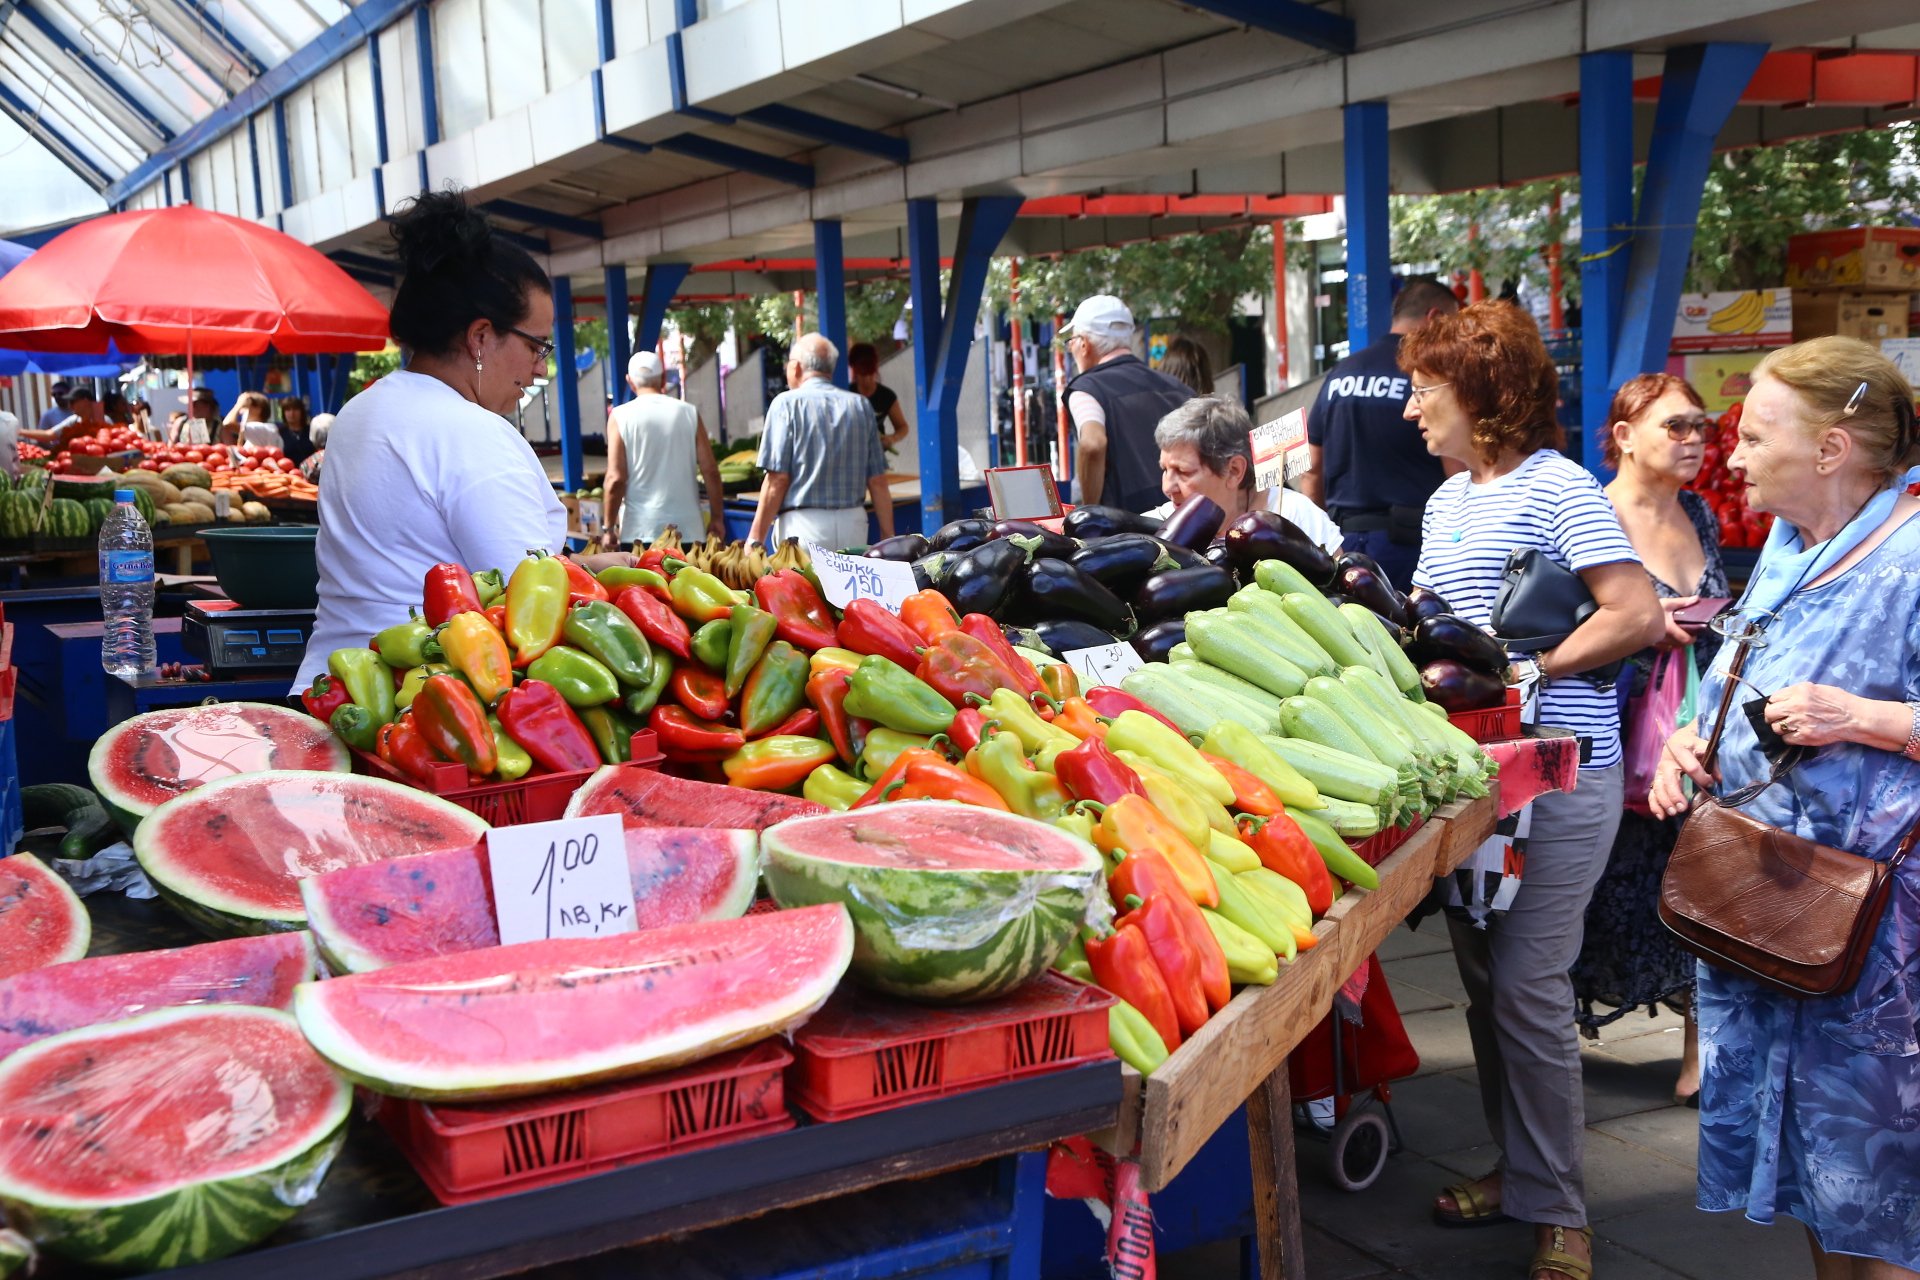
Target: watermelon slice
[(63, 997), (231, 855), (369, 916), (41, 919), (142, 763), (662, 800), (950, 903), (506, 1021), (169, 1139)]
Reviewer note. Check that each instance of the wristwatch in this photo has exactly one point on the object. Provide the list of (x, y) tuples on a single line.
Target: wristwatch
[(1540, 677), (1912, 750)]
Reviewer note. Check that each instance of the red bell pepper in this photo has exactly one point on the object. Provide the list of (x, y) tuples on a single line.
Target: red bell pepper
[(801, 616), (827, 692), (960, 668), (1122, 962), (701, 692), (449, 590), (582, 585), (661, 561), (1091, 771), (656, 621), (497, 617), (867, 628), (1185, 949), (1283, 847), (968, 728), (448, 714), (804, 723), (988, 632), (929, 615), (539, 719), (323, 696), (935, 779), (400, 745), (1250, 795), (1109, 702), (685, 737)]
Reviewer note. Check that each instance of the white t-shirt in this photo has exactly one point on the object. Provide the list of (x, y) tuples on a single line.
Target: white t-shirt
[(260, 433), (418, 475), (658, 433)]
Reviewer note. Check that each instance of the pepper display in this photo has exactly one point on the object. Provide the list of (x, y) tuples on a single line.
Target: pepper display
[(1282, 847), (775, 690), (582, 585), (801, 616), (1250, 795), (894, 770), (845, 661), (1184, 810), (929, 615), (583, 681), (685, 738), (325, 694), (1122, 962), (1091, 771), (1136, 731), (959, 668), (884, 749), (1077, 717), (700, 597), (354, 725), (998, 762), (479, 652), (658, 623), (1017, 716), (1249, 960), (643, 700), (400, 745), (450, 590), (1238, 744), (710, 644), (551, 732), (618, 577), (988, 633), (612, 737), (931, 778), (1109, 702), (750, 633), (369, 681), (514, 762), (1133, 1039), (1130, 825), (827, 692), (833, 787), (408, 644), (1059, 682), (537, 596), (776, 762), (894, 697), (449, 716), (703, 693), (868, 629), (1174, 955), (968, 730), (610, 637), (491, 585), (804, 723), (410, 683)]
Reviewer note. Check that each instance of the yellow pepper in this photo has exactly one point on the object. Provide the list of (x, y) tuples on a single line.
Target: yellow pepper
[(1172, 798), (1139, 732), (1228, 853), (1249, 960), (831, 659), (1017, 717)]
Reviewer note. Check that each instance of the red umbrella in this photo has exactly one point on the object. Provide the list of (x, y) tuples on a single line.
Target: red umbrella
[(185, 281)]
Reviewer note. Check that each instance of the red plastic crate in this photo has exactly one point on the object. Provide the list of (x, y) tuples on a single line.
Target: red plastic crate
[(1375, 849), (864, 1052), (482, 1150), (1493, 724), (539, 797), (9, 674)]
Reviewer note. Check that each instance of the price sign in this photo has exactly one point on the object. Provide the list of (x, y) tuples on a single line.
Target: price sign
[(588, 514), (1279, 449), (565, 879), (1107, 664), (846, 578)]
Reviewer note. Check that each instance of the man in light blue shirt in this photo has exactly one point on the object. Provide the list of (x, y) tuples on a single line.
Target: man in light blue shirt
[(822, 455)]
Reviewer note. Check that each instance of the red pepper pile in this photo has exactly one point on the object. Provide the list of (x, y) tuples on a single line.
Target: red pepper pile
[(1725, 491)]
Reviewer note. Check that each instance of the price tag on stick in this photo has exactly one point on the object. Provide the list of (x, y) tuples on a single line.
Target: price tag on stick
[(845, 578), (565, 879), (1107, 664), (1279, 449)]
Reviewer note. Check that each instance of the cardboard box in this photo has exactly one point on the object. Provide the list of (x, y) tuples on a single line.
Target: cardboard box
[(1722, 378), (1733, 321), (1851, 313), (1856, 257)]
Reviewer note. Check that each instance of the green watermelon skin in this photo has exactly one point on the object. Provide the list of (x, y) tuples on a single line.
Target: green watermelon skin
[(85, 1089), (19, 513), (950, 903), (98, 509), (66, 518)]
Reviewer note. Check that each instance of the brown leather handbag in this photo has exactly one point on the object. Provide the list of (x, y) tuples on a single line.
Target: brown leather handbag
[(1788, 913)]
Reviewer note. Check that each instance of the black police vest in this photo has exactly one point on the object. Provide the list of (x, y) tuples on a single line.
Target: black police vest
[(1133, 396)]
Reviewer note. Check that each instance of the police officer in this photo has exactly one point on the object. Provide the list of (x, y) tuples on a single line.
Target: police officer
[(1369, 471), (1114, 402)]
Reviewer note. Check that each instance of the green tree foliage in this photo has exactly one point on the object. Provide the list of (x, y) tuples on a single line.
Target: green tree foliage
[(1502, 232), (1195, 280)]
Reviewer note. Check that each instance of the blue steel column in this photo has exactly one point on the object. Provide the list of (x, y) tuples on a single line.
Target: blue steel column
[(830, 283), (1369, 254), (656, 295), (567, 380), (1606, 210), (619, 341), (302, 385)]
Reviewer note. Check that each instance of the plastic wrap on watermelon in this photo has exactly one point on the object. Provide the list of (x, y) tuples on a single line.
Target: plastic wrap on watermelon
[(168, 1139)]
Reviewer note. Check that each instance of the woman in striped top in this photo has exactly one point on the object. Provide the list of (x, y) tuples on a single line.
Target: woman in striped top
[(1483, 394)]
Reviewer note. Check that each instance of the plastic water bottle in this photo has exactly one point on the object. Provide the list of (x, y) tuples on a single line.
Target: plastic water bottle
[(126, 590)]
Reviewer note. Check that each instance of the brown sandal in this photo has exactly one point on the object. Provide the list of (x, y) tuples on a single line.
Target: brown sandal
[(1471, 1207), (1555, 1259)]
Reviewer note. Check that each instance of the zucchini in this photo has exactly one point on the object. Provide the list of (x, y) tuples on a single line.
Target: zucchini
[(1182, 652), (1265, 608), (1329, 630), (1341, 860), (1206, 673), (1225, 703), (1313, 720), (1154, 685), (1392, 744), (1238, 646), (1360, 620), (1400, 668), (90, 827), (1354, 821), (1280, 578), (1338, 774), (1376, 692)]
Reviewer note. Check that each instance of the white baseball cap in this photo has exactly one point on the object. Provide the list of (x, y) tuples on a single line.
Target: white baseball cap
[(645, 367), (1101, 316)]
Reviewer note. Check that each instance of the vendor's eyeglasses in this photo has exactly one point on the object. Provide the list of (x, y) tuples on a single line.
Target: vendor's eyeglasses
[(1683, 426), (1421, 393), (542, 348)]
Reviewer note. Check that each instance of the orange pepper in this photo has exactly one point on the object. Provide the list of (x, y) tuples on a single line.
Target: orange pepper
[(1131, 824), (1250, 795), (938, 780), (893, 773), (1077, 716), (929, 615)]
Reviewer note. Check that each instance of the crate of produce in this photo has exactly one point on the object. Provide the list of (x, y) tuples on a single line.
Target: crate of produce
[(1494, 723), (538, 797), (481, 1150), (864, 1053), (1376, 849)]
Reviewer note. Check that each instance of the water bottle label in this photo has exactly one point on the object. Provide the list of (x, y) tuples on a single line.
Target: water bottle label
[(126, 566)]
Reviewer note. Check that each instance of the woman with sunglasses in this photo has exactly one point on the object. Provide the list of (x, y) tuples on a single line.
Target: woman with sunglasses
[(1811, 1107), (1656, 442), (425, 466)]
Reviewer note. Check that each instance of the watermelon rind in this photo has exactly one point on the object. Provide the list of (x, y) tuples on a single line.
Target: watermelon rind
[(129, 807), (667, 800), (532, 1017), (42, 920), (942, 933), (172, 1219), (221, 913)]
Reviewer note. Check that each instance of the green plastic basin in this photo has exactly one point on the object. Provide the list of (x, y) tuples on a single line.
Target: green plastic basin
[(266, 567)]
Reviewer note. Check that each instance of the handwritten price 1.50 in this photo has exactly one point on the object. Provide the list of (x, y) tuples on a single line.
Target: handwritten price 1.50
[(573, 855)]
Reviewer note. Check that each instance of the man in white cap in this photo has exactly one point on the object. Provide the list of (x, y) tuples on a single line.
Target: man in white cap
[(654, 445), (1114, 402)]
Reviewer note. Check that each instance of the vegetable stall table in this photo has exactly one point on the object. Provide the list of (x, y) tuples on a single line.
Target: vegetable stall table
[(741, 507)]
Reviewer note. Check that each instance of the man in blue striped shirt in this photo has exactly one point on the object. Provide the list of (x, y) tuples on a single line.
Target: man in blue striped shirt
[(822, 455)]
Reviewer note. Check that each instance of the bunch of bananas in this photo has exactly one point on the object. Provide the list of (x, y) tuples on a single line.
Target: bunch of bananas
[(1745, 314), (738, 564), (739, 467)]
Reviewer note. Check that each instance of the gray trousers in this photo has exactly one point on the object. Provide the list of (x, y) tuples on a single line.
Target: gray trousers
[(1520, 1003)]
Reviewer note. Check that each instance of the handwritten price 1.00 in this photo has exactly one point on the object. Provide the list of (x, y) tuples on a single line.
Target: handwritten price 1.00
[(573, 855)]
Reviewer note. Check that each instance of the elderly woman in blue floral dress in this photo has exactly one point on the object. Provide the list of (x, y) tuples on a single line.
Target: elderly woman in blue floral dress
[(1811, 1107)]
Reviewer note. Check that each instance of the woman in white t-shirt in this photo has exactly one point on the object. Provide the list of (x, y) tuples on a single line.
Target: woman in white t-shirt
[(1205, 448), (423, 466)]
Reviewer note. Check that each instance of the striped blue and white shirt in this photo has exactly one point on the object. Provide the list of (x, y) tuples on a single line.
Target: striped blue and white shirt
[(1549, 502)]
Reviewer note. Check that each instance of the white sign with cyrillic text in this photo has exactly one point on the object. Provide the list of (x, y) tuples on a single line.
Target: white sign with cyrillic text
[(564, 879), (1279, 449), (845, 578), (1105, 664)]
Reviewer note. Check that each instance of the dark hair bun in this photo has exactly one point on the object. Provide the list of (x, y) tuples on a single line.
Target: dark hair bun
[(453, 271), (437, 227)]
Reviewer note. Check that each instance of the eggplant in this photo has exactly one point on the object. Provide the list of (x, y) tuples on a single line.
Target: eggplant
[(1179, 592), (1182, 557), (932, 570), (1193, 523), (906, 547), (1458, 687), (1037, 540), (1372, 590), (1101, 522), (965, 542), (1217, 556), (1158, 640), (1122, 561), (1055, 589), (953, 530), (1064, 635), (1423, 604), (1447, 635), (1024, 638), (1267, 535), (984, 579), (1344, 558)]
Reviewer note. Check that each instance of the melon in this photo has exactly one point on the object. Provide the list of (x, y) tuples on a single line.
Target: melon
[(81, 488), (950, 903), (256, 513), (257, 971), (661, 800), (430, 904), (230, 856), (502, 1022), (194, 493), (141, 763), (165, 1140), (42, 921), (188, 475)]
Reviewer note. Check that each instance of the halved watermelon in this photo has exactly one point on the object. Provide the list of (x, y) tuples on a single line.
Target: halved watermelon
[(950, 903), (42, 921), (62, 997), (231, 855), (169, 1139), (506, 1021), (662, 800), (141, 763), (433, 904)]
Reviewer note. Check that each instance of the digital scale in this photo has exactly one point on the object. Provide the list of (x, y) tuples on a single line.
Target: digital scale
[(228, 638)]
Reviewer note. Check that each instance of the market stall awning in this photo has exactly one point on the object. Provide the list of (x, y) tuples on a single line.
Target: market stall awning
[(14, 362)]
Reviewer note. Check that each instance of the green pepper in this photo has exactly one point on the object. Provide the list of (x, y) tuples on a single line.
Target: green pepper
[(491, 584), (616, 577), (883, 745), (887, 694), (698, 596), (369, 681), (833, 787), (1073, 961), (642, 700), (354, 725), (1134, 1040), (776, 689), (514, 763), (581, 680), (410, 686), (710, 644), (410, 644), (599, 630), (611, 733), (752, 631)]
